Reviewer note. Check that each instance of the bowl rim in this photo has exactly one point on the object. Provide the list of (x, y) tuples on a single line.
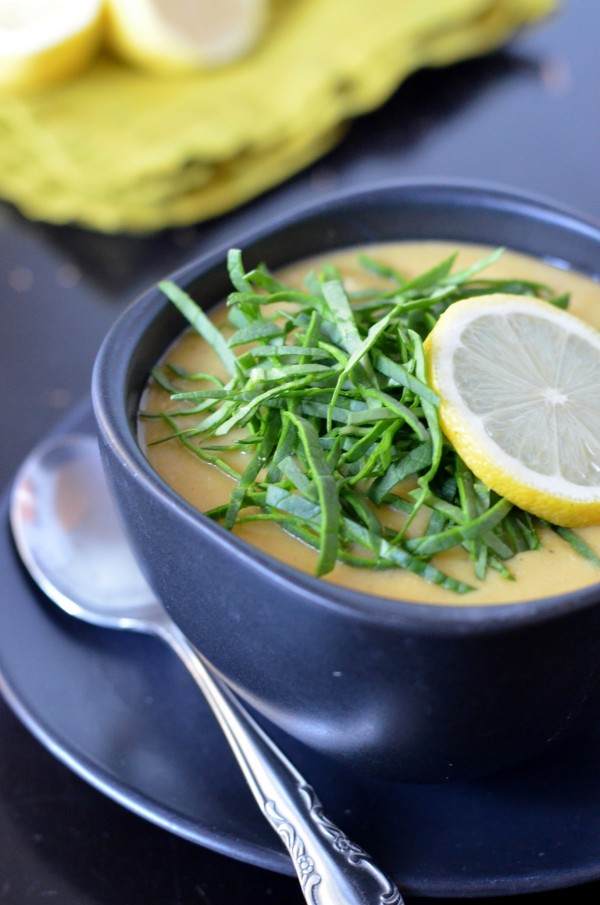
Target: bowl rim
[(109, 399)]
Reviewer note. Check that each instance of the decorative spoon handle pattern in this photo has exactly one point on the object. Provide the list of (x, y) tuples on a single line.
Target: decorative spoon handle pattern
[(332, 869)]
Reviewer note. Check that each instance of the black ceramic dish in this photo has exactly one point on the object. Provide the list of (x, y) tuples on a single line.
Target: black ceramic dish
[(410, 691)]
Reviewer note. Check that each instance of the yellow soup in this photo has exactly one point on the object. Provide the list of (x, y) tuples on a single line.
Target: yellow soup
[(554, 569)]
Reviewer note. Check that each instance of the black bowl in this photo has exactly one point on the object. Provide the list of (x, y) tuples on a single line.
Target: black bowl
[(415, 692)]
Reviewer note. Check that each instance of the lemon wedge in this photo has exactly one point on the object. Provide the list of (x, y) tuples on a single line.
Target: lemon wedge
[(519, 387), (43, 42), (180, 35)]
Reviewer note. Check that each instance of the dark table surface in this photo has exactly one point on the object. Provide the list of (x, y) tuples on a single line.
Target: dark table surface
[(527, 117)]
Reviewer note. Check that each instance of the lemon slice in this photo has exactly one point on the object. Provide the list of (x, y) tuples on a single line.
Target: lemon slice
[(519, 384), (179, 35), (43, 42)]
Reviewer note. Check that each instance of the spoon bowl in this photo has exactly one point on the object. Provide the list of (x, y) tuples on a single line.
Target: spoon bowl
[(69, 536)]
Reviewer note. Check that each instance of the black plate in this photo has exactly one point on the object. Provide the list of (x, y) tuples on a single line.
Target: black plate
[(121, 712)]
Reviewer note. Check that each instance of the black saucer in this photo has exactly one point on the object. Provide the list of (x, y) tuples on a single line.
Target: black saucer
[(123, 713)]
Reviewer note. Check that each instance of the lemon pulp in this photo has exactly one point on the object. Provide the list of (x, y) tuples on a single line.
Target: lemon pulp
[(518, 383), (179, 35), (43, 42)]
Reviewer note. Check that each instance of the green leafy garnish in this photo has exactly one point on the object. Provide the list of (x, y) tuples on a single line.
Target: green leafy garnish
[(326, 394)]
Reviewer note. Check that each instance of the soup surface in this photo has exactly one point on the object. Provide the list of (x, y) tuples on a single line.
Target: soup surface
[(553, 569)]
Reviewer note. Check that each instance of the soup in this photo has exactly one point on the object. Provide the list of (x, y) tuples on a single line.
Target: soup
[(554, 568)]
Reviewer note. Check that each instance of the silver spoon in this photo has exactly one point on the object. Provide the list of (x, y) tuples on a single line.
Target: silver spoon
[(69, 537)]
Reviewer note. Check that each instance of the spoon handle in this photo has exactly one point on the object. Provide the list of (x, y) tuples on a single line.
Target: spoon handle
[(332, 869)]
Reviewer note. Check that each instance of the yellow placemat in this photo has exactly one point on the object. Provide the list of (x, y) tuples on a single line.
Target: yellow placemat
[(121, 150)]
